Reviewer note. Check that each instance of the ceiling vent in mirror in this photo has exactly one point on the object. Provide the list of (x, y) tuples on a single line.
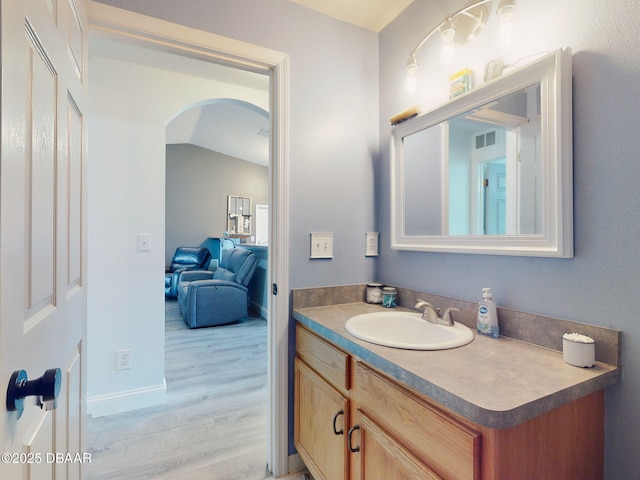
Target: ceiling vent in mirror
[(486, 139)]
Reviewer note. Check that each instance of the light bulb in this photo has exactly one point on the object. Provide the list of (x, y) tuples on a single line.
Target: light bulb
[(448, 34), (506, 11), (411, 79)]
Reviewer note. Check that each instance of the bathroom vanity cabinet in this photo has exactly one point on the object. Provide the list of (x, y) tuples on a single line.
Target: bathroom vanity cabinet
[(322, 406), (354, 422)]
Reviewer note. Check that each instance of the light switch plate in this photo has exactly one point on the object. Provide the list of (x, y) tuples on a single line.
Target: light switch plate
[(371, 248), (321, 245)]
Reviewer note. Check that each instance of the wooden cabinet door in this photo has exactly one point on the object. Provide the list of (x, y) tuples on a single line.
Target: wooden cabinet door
[(321, 421), (448, 446), (382, 457)]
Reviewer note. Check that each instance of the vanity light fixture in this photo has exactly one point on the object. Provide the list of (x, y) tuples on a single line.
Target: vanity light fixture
[(460, 28)]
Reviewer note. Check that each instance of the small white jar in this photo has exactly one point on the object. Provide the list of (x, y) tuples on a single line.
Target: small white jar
[(578, 350), (374, 293)]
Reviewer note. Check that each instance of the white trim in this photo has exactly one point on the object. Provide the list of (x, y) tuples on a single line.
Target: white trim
[(278, 422), (215, 48), (101, 405), (261, 309), (296, 464)]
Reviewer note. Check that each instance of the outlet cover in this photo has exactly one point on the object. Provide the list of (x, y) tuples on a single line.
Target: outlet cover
[(321, 245), (123, 359), (371, 249)]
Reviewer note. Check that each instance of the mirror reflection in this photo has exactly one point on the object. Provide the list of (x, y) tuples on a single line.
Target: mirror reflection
[(478, 173), (489, 172)]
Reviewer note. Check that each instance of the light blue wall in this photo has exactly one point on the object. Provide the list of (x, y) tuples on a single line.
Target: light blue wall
[(601, 285)]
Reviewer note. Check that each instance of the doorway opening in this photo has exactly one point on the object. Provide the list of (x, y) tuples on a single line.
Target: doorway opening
[(215, 50)]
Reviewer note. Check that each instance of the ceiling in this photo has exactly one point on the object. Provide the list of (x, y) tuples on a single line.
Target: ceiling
[(241, 130), (237, 128), (231, 127), (370, 14)]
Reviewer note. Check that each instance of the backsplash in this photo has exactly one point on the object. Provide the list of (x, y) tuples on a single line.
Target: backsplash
[(527, 327)]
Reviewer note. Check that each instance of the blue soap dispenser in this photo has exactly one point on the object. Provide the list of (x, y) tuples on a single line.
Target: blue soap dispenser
[(488, 315)]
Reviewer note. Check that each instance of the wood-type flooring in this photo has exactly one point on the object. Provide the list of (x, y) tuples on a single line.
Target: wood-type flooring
[(214, 424)]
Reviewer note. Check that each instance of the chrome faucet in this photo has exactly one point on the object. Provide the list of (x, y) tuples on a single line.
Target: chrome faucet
[(431, 314)]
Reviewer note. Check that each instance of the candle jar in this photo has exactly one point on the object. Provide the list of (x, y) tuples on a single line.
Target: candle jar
[(374, 293), (389, 295), (578, 350)]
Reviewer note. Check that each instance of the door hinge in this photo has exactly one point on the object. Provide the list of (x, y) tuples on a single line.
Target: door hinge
[(274, 289), (485, 183)]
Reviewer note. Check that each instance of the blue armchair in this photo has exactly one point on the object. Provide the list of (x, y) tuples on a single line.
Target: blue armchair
[(217, 298), (185, 258)]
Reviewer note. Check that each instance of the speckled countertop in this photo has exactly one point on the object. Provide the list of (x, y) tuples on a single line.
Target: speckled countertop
[(497, 383)]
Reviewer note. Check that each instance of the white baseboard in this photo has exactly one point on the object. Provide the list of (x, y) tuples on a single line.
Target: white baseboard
[(296, 464), (118, 402), (264, 311)]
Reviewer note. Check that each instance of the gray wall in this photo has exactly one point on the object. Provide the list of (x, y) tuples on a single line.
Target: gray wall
[(339, 144), (198, 182)]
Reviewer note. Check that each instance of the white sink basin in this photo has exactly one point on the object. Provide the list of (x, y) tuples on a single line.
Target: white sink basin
[(407, 330)]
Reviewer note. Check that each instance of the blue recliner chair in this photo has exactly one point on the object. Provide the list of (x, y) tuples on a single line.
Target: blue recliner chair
[(185, 258), (217, 298)]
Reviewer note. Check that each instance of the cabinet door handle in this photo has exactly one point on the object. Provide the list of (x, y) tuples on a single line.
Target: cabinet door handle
[(335, 419), (349, 436)]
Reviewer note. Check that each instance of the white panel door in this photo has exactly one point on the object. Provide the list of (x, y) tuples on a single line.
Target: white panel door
[(42, 238)]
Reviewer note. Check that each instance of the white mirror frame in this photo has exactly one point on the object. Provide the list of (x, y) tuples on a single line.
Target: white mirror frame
[(553, 72)]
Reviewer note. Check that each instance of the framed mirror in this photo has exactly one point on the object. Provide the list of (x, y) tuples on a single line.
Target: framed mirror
[(238, 216), (490, 172)]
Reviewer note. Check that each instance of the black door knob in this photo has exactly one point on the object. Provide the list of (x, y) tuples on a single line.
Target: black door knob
[(46, 388)]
